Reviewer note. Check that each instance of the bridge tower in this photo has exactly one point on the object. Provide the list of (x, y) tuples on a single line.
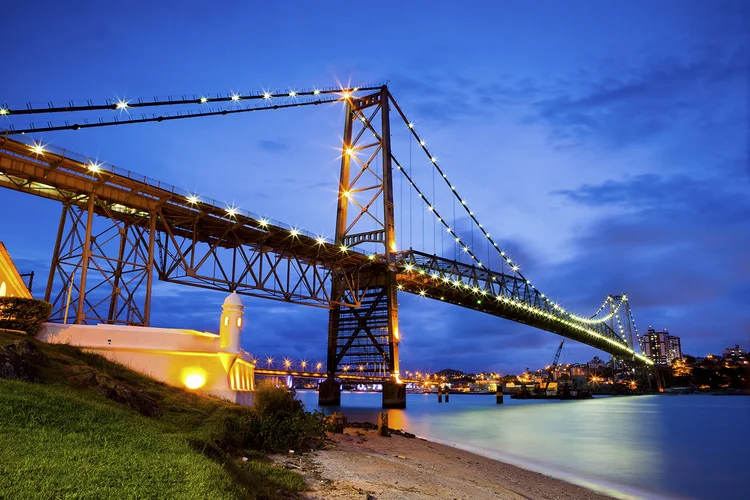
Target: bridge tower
[(364, 340)]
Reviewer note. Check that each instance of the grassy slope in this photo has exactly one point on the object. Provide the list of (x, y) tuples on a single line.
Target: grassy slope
[(59, 441)]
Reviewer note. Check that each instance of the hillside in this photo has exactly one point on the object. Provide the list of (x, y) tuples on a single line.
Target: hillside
[(67, 435)]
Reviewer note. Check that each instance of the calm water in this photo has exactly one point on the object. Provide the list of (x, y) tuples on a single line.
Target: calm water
[(629, 447)]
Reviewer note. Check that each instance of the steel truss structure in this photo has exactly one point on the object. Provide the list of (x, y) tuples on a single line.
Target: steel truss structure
[(121, 226), (100, 265), (119, 230), (367, 338)]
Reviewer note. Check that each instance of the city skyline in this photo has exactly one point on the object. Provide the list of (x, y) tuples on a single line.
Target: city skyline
[(603, 169)]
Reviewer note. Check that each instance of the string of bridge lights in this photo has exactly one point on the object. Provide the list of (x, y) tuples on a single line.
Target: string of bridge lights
[(121, 104), (607, 317), (621, 328), (635, 327), (97, 168), (463, 202), (344, 94), (517, 302)]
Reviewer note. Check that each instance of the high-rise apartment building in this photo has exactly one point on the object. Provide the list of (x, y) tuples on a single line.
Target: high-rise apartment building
[(661, 347)]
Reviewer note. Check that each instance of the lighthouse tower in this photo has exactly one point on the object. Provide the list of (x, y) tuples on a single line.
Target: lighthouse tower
[(231, 324)]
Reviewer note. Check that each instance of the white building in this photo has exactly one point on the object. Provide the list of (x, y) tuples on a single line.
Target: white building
[(199, 361)]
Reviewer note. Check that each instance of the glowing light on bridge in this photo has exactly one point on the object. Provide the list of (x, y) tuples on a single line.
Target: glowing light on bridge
[(94, 167), (411, 125), (318, 365), (236, 97), (422, 142), (193, 199), (121, 104), (231, 211), (303, 364), (422, 293), (263, 223), (287, 363), (321, 240), (267, 95), (4, 111), (204, 100), (292, 93), (346, 95), (400, 286), (269, 361), (294, 232), (344, 248), (37, 148), (316, 92)]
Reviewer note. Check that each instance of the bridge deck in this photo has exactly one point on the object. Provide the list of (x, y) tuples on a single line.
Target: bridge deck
[(309, 261)]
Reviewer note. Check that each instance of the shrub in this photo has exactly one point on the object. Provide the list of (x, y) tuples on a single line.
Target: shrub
[(277, 422), (27, 315)]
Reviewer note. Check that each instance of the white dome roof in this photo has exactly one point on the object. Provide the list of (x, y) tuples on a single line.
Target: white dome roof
[(233, 300)]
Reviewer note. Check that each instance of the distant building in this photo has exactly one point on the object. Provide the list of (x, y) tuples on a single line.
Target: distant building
[(733, 353), (661, 347), (597, 364)]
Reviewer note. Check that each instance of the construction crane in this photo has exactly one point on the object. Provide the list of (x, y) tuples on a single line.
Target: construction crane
[(553, 365)]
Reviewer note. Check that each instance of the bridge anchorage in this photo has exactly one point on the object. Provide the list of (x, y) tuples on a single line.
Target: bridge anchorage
[(118, 230)]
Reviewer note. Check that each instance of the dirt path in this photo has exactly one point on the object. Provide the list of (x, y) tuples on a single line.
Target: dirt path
[(359, 464)]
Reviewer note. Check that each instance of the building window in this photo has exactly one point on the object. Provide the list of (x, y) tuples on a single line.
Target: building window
[(239, 322), (3, 289), (226, 320)]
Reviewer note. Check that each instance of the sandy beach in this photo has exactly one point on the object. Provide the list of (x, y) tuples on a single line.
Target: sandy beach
[(360, 464)]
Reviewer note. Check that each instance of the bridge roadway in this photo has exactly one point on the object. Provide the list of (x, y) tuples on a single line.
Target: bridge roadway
[(205, 243)]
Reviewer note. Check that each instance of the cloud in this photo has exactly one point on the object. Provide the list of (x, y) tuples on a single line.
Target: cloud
[(678, 247), (623, 107), (273, 146)]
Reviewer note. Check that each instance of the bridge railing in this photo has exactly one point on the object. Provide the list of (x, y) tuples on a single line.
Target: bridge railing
[(185, 197)]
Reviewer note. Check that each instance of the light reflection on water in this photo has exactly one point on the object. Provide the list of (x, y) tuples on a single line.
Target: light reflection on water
[(681, 446)]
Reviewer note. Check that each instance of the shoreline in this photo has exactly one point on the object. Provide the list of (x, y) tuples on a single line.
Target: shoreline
[(361, 464)]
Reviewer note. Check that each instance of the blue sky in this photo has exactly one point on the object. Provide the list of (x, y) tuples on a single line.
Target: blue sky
[(604, 144)]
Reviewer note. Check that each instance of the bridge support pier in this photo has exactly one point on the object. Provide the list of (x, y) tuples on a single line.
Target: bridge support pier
[(329, 392), (394, 395)]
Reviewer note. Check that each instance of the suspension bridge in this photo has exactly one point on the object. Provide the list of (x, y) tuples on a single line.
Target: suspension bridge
[(119, 231)]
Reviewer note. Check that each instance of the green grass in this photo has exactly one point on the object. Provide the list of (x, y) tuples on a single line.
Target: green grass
[(57, 441)]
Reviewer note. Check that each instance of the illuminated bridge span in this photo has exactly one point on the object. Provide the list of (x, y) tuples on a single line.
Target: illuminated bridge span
[(118, 230)]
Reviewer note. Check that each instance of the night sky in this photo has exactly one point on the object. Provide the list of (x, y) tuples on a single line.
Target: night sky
[(604, 144)]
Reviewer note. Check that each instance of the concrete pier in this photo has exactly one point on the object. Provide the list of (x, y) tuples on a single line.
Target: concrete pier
[(499, 397), (329, 393), (394, 395)]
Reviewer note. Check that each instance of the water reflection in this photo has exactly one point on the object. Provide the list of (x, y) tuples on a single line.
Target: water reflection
[(658, 443)]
